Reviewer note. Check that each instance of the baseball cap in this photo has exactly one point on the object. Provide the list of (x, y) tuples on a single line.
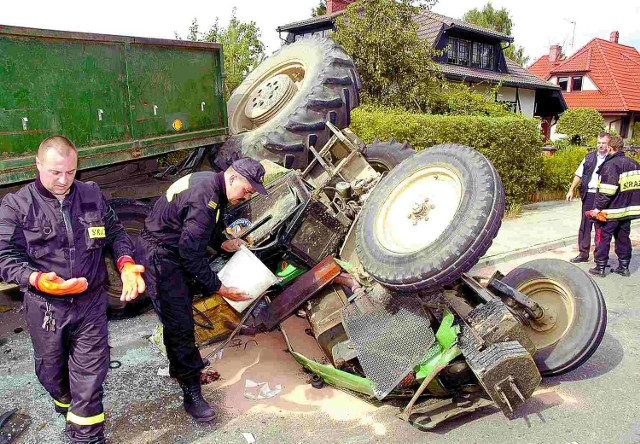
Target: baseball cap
[(251, 170)]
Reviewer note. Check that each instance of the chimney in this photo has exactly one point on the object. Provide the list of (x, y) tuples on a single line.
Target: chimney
[(337, 5), (613, 37), (554, 54)]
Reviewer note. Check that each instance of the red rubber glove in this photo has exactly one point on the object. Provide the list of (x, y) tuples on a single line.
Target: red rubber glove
[(54, 285), (131, 275)]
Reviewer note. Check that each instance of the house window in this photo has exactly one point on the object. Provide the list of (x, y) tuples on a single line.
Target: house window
[(563, 82), (458, 53), (576, 83), (482, 56)]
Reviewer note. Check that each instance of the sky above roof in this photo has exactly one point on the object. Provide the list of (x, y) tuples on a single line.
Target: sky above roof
[(537, 25)]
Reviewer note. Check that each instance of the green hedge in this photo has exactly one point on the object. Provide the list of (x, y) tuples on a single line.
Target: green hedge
[(511, 143), (558, 170)]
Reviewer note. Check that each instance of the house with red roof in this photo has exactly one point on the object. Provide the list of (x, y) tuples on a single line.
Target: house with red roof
[(603, 74), (467, 53)]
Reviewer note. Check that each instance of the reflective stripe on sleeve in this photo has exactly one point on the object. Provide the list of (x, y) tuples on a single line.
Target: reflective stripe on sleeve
[(607, 189), (85, 420), (61, 404)]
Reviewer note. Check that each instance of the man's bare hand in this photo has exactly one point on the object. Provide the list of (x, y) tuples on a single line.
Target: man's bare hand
[(569, 196), (233, 294), (232, 245)]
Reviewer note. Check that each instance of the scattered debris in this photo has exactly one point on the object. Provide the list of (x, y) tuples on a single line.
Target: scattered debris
[(208, 376), (12, 424), (260, 390), (317, 382), (4, 308), (249, 438), (156, 339), (18, 330), (163, 371)]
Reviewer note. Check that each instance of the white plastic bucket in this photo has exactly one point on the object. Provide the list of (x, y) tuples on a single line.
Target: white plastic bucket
[(245, 271)]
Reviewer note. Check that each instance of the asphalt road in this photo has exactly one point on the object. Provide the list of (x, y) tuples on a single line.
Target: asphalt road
[(596, 403)]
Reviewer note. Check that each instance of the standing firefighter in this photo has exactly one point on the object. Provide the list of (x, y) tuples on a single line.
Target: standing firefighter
[(53, 233), (616, 204), (173, 248)]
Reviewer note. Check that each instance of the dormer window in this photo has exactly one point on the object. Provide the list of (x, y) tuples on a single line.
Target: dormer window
[(467, 53), (482, 56), (563, 83), (576, 83), (458, 53)]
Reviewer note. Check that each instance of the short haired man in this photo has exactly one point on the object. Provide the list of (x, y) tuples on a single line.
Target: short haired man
[(173, 248), (587, 177), (617, 203), (53, 235)]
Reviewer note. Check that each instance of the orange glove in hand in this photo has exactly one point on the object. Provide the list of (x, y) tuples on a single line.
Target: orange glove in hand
[(53, 284), (597, 215), (132, 282)]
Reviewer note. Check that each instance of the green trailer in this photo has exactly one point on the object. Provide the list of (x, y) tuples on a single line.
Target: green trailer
[(119, 99), (126, 102)]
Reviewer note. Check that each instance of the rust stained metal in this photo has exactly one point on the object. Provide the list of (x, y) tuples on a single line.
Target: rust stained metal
[(302, 289)]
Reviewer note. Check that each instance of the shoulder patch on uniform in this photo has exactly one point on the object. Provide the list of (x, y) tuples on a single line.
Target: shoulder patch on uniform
[(213, 205), (178, 187)]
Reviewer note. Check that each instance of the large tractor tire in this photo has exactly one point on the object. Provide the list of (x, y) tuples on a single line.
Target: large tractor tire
[(430, 219), (131, 213), (385, 156), (577, 306), (282, 107)]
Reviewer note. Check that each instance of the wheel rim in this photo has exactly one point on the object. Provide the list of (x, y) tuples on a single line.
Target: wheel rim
[(419, 210), (270, 93), (114, 286), (554, 298)]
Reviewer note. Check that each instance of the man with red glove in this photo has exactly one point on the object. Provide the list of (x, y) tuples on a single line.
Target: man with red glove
[(53, 234), (617, 202)]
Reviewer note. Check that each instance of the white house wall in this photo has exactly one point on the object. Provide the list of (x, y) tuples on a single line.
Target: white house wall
[(527, 97), (587, 83)]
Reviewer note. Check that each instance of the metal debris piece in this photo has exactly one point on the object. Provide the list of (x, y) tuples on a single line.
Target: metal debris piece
[(301, 290), (391, 338)]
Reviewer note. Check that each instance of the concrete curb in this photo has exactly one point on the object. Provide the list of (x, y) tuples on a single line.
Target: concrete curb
[(495, 259)]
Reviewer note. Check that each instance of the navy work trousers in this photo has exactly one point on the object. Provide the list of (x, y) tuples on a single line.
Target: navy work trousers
[(172, 299), (620, 230), (584, 233), (72, 361)]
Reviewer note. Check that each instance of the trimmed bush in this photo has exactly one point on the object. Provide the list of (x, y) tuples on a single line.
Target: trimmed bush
[(558, 170), (580, 124), (511, 143)]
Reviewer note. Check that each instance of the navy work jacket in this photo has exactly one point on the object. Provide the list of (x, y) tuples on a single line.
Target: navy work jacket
[(40, 233), (187, 219)]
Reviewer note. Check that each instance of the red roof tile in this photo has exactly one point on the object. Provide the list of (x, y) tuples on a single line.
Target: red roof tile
[(614, 68)]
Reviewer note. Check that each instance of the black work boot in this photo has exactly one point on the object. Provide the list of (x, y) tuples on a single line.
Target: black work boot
[(580, 258), (61, 405), (623, 267), (195, 404), (600, 269)]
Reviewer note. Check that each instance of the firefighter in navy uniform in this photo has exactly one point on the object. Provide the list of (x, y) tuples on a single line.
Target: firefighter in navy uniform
[(53, 234), (617, 203), (173, 248)]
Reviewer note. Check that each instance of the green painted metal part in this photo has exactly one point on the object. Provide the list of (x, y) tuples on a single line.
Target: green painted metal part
[(335, 377), (443, 352), (117, 98), (288, 273)]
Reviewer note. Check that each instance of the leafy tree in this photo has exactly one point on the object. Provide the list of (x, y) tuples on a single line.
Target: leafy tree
[(394, 63), (580, 124), (321, 9), (500, 21), (243, 49)]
